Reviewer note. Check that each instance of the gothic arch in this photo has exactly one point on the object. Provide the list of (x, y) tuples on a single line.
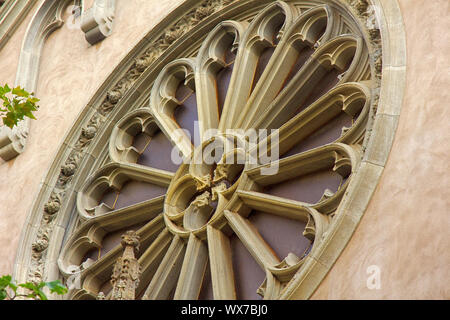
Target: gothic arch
[(48, 18)]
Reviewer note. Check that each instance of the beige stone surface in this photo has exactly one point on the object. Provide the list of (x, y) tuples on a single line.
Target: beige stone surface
[(405, 229), (71, 72)]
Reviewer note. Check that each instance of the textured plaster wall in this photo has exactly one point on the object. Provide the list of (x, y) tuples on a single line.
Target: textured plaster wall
[(405, 231), (71, 72)]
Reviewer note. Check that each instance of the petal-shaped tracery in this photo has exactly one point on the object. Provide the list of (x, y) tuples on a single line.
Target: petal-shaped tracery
[(211, 59), (164, 101)]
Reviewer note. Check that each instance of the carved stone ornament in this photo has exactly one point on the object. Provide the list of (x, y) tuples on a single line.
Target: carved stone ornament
[(125, 277), (185, 233)]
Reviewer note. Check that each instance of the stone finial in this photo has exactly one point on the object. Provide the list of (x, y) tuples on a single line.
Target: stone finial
[(130, 239), (126, 271)]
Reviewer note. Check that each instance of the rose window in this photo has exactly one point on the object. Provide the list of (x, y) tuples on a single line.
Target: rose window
[(238, 218)]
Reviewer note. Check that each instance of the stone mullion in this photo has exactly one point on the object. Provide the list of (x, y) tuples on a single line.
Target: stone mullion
[(163, 101), (193, 270), (253, 43), (320, 112), (152, 256), (252, 240), (91, 232), (114, 176), (294, 39), (166, 276), (279, 206), (290, 99), (210, 60), (222, 274), (151, 175)]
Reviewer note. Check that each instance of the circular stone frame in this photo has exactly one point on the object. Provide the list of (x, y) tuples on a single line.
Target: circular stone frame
[(50, 216)]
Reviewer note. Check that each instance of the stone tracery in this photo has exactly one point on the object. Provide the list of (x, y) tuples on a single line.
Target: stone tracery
[(271, 102)]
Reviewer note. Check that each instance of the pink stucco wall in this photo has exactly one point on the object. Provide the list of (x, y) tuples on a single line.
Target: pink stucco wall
[(405, 231)]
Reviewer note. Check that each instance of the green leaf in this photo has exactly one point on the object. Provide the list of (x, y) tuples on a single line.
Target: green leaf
[(3, 294), (20, 92), (13, 286), (8, 122), (32, 295), (35, 291), (6, 89), (41, 285), (5, 281), (34, 100), (41, 295), (30, 115), (21, 105), (28, 285), (57, 287), (5, 100)]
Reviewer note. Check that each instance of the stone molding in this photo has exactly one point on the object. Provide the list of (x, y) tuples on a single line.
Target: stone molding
[(43, 235), (11, 14)]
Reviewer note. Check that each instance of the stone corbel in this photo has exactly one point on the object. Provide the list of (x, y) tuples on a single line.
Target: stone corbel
[(12, 141), (97, 22)]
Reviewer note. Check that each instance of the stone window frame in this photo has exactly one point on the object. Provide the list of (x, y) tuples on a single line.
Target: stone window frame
[(44, 233)]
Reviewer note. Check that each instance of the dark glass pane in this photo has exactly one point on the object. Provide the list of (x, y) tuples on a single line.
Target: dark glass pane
[(303, 56), (308, 188), (134, 192), (223, 81), (283, 235), (109, 197), (110, 241), (264, 59), (325, 84), (141, 140), (186, 114), (326, 134), (113, 239), (157, 153), (248, 276)]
